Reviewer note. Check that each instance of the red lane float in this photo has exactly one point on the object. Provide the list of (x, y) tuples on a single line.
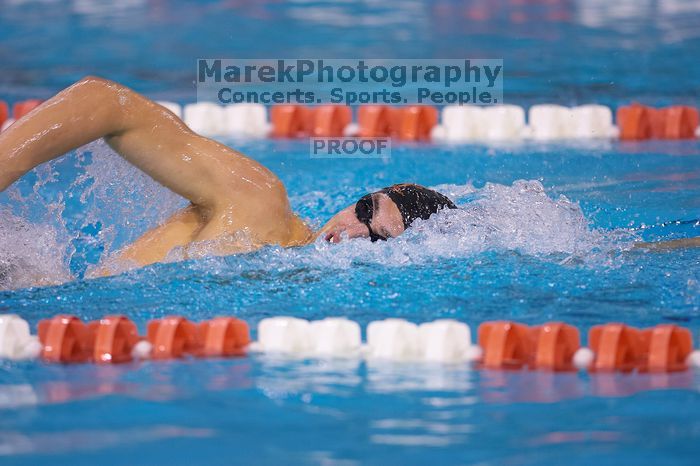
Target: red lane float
[(173, 337), (681, 122), (617, 347), (115, 338), (634, 122), (330, 120), (666, 348), (4, 112), (66, 339), (298, 121), (556, 344), (416, 122), (410, 123), (290, 121), (224, 336), (19, 109), (376, 121), (506, 345), (638, 122)]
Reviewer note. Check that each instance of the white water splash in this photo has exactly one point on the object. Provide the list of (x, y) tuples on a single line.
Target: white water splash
[(30, 254), (110, 191), (126, 202), (520, 218)]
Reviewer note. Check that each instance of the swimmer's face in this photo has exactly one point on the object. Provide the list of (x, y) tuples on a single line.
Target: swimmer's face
[(384, 220)]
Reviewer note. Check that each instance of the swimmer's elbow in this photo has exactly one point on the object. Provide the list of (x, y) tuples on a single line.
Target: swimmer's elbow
[(93, 82), (100, 87)]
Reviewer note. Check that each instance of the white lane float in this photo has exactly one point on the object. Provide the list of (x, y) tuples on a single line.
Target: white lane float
[(246, 120), (471, 123), (205, 118), (284, 335), (243, 120), (593, 122), (330, 337), (547, 122), (503, 122), (550, 122), (335, 336), (446, 341), (459, 123), (16, 341), (392, 339)]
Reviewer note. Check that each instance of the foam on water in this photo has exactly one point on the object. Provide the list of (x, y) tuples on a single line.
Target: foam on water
[(41, 244), (30, 254), (519, 218), (117, 203)]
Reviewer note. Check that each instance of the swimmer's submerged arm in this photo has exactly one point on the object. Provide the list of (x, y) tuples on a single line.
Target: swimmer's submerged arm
[(209, 174), (682, 243)]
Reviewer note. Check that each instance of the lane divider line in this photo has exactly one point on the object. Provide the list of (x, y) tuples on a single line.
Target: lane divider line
[(421, 123), (502, 345)]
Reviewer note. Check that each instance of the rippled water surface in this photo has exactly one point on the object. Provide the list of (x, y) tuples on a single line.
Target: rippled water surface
[(545, 232)]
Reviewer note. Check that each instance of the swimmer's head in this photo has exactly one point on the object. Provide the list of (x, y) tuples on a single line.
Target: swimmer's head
[(386, 213)]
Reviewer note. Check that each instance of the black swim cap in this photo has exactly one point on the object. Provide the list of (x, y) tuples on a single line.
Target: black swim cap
[(413, 201)]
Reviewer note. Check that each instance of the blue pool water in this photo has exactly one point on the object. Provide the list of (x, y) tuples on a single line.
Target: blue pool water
[(517, 250)]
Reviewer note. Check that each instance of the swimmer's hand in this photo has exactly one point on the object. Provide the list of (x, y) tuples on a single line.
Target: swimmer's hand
[(683, 243)]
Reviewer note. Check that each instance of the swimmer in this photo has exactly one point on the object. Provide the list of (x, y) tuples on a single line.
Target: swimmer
[(236, 204)]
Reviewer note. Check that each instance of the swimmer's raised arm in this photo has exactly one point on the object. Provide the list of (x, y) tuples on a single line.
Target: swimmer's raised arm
[(230, 193), (147, 135)]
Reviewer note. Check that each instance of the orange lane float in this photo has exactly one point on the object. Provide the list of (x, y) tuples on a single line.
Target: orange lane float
[(617, 347), (173, 337), (680, 122), (4, 112), (330, 120), (376, 121), (66, 339), (638, 122), (115, 338), (290, 121), (410, 123), (634, 122), (509, 345), (19, 109), (223, 336), (666, 348), (505, 345), (298, 121), (415, 122), (556, 344)]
